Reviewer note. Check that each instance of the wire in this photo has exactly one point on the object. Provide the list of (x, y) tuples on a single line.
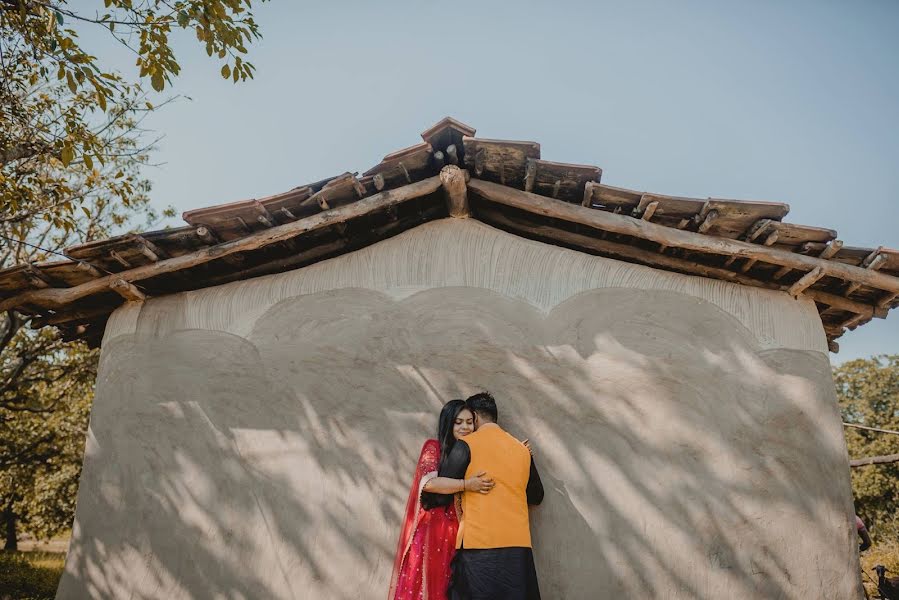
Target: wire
[(64, 255), (48, 251)]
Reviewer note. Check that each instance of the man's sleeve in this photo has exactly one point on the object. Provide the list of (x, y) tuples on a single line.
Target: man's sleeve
[(534, 490), (454, 467)]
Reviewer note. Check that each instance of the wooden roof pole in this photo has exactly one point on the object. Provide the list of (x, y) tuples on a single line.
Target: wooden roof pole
[(676, 238), (453, 180), (58, 297), (672, 262)]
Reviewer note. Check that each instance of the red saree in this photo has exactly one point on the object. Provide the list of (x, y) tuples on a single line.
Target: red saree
[(421, 570)]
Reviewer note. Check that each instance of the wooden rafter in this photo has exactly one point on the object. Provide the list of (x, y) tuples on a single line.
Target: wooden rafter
[(624, 225), (57, 297)]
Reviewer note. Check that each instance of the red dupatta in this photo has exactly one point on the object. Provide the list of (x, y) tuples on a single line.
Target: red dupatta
[(421, 569)]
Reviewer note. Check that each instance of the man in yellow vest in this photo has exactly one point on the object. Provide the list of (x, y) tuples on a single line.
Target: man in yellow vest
[(493, 559)]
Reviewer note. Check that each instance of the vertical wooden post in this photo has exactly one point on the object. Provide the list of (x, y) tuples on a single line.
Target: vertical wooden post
[(452, 178)]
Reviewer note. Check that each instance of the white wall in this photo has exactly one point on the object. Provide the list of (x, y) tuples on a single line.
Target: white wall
[(256, 440)]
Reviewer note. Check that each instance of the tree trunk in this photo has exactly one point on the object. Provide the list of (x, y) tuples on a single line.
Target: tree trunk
[(9, 518)]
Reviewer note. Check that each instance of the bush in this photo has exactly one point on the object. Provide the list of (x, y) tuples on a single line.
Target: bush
[(29, 575)]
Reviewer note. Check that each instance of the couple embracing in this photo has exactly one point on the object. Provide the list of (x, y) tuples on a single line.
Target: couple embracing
[(466, 535)]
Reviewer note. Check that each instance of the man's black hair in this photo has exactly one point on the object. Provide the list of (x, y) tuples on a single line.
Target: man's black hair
[(483, 404)]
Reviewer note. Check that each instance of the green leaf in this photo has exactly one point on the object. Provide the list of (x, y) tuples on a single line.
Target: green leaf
[(68, 153), (157, 81), (88, 161), (226, 71)]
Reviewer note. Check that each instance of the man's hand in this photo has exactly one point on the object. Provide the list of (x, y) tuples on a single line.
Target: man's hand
[(480, 483)]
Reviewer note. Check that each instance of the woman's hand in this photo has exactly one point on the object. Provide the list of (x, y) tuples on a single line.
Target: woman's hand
[(527, 444), (480, 483)]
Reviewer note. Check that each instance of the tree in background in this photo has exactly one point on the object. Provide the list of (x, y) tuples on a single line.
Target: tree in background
[(72, 153), (868, 392)]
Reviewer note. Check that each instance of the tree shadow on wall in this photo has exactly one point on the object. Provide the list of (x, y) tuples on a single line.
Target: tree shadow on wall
[(679, 459)]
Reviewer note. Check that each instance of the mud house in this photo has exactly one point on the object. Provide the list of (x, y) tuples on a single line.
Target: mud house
[(270, 370)]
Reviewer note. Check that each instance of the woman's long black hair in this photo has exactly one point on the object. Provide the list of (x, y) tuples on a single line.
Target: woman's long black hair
[(445, 423)]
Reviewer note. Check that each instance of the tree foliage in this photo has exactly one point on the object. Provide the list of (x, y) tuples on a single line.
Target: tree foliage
[(59, 102), (868, 391), (72, 158)]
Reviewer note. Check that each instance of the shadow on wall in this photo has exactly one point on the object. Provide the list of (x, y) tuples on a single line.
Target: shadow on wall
[(679, 460)]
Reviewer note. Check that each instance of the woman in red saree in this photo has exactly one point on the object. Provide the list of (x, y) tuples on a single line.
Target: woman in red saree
[(427, 543)]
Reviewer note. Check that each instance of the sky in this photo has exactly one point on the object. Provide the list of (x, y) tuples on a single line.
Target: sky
[(794, 102)]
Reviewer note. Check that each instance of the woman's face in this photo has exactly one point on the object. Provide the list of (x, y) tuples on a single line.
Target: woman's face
[(464, 424)]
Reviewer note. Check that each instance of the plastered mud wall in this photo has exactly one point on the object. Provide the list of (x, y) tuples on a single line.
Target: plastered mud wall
[(256, 440)]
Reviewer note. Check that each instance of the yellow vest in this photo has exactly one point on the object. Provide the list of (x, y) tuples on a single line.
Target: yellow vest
[(498, 519)]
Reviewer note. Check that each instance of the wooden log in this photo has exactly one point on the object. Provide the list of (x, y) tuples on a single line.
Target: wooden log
[(650, 210), (267, 222), (358, 187), (88, 268), (833, 346), (37, 277), (452, 154), (806, 281), (707, 221), (853, 322), (609, 248), (866, 428), (530, 175), (405, 172), (757, 229), (147, 248), (286, 212), (452, 178), (841, 303), (378, 180), (127, 290), (687, 240), (57, 297), (439, 159), (831, 249), (873, 262), (207, 235), (119, 259), (282, 264), (874, 460), (779, 274), (588, 194), (887, 300)]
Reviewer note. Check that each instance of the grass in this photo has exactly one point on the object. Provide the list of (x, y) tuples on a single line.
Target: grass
[(30, 575)]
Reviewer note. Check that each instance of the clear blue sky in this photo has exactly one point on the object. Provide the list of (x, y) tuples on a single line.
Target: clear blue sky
[(787, 101)]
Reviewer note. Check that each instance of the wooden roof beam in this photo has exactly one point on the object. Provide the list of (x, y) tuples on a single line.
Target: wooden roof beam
[(675, 238), (37, 277), (207, 235), (873, 262), (59, 297), (806, 281), (452, 179), (828, 252), (147, 248), (127, 290), (88, 268)]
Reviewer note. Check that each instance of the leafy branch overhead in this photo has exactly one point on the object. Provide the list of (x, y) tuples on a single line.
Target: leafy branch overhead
[(72, 152), (62, 108)]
